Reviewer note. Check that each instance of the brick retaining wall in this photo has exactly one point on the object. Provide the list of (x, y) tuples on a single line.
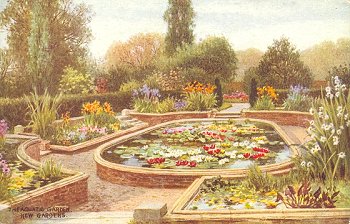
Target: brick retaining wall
[(281, 117)]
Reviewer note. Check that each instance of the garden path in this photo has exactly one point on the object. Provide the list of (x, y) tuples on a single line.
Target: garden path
[(106, 196), (237, 107)]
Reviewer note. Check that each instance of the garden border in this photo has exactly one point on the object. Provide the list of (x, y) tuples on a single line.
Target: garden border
[(177, 214), (87, 145), (70, 191), (165, 178)]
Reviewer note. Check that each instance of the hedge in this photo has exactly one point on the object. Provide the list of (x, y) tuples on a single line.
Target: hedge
[(14, 110)]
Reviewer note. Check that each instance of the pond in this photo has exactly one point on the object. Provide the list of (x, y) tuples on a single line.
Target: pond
[(218, 144)]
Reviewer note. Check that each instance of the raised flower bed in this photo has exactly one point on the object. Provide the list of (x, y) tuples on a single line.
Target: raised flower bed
[(236, 204), (98, 125), (29, 191)]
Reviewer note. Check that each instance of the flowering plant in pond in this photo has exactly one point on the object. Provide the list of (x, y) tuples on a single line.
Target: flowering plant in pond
[(298, 99), (328, 152), (203, 146)]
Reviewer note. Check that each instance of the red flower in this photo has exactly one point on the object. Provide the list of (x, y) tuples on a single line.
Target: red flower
[(193, 164), (264, 150), (246, 155)]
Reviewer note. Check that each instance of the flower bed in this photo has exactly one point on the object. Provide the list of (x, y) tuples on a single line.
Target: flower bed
[(69, 191), (129, 173), (236, 97), (180, 210)]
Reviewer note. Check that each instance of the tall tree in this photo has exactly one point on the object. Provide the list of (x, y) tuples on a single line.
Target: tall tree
[(281, 66), (179, 17), (40, 64), (67, 28)]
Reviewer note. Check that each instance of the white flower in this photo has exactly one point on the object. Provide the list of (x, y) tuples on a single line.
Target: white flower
[(323, 139), (326, 117), (303, 163), (343, 87), (312, 122), (309, 164), (311, 111), (240, 156), (346, 116), (341, 127), (335, 140), (341, 155), (223, 161), (235, 144), (337, 94), (339, 132), (332, 131), (328, 89), (144, 147), (316, 148)]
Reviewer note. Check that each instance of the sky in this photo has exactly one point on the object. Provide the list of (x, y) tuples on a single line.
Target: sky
[(245, 23)]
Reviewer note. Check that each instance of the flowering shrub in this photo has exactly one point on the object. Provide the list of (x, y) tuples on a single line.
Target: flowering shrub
[(328, 153), (266, 97), (199, 97), (3, 129), (169, 81), (197, 87), (236, 97), (298, 99), (74, 82)]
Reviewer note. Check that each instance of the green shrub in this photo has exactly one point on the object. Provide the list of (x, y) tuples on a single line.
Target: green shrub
[(74, 82), (264, 103), (197, 101), (42, 111), (166, 105), (130, 86), (50, 170)]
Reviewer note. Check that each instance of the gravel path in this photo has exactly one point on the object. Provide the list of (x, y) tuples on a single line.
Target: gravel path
[(106, 196)]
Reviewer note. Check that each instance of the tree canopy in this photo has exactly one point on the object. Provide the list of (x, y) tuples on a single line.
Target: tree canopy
[(281, 66), (68, 36), (179, 17)]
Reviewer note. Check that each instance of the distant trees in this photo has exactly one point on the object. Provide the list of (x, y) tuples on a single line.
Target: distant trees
[(66, 38), (247, 59), (179, 17), (281, 66), (342, 71), (212, 58), (323, 57)]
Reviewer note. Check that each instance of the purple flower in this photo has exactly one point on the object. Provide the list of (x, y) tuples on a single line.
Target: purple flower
[(180, 105), (3, 127), (6, 170)]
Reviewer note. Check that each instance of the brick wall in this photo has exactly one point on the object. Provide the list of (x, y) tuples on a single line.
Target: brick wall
[(153, 119), (281, 117), (151, 180)]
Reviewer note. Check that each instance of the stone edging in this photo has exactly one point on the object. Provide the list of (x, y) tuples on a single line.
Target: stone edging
[(153, 177), (177, 214), (70, 191), (96, 141)]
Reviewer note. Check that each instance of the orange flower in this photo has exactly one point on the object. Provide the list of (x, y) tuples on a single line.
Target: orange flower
[(108, 108)]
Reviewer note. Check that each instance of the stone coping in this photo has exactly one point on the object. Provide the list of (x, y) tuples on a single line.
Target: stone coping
[(23, 157), (178, 214), (96, 141), (178, 174), (131, 113)]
